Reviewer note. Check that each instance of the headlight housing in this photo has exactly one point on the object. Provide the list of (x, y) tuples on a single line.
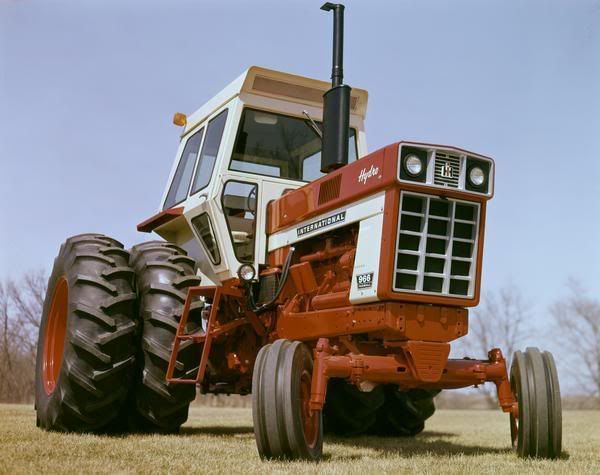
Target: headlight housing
[(476, 176), (413, 164), (246, 273)]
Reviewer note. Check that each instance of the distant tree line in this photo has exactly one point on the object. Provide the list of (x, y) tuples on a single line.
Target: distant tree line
[(503, 319), (21, 303)]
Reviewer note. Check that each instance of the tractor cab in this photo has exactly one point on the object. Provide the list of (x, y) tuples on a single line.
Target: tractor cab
[(258, 138)]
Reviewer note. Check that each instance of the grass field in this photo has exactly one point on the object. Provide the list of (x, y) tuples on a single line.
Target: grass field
[(221, 440)]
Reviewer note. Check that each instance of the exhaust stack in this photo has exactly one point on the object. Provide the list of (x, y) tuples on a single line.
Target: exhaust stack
[(336, 101)]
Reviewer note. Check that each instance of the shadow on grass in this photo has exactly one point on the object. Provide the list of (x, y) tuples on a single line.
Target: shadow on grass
[(186, 431), (428, 442), (432, 442), (216, 430)]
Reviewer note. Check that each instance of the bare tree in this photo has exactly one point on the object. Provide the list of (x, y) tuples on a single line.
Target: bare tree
[(27, 299), (577, 317), (501, 321), (21, 304)]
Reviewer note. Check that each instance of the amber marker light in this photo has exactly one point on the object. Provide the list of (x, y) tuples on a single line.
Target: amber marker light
[(179, 119)]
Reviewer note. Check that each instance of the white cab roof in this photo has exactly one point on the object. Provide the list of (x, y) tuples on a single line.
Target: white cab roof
[(270, 83)]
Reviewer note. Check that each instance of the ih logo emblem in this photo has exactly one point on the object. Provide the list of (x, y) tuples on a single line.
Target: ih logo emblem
[(447, 170)]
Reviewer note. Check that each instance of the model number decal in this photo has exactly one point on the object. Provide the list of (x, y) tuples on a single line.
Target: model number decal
[(322, 223), (364, 281)]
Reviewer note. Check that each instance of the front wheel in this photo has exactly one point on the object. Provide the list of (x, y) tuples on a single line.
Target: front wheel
[(284, 425), (537, 431)]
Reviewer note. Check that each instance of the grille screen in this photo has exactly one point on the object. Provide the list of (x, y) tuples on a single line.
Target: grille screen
[(330, 189), (436, 246), (447, 169)]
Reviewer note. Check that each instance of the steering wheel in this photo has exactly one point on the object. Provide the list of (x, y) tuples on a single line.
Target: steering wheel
[(252, 197)]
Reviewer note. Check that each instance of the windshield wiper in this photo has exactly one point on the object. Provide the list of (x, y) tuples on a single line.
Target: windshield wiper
[(313, 125)]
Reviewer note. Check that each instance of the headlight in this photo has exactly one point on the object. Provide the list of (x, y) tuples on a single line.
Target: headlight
[(413, 164), (246, 272), (476, 176)]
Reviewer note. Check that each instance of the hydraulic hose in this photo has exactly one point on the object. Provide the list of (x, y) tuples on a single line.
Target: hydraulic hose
[(268, 305)]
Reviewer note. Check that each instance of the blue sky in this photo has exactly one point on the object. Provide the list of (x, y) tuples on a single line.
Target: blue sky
[(88, 89)]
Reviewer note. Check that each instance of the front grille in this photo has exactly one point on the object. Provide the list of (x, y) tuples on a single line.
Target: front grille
[(436, 245), (447, 169)]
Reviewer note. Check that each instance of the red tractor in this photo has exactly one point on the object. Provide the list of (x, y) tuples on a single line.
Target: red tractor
[(333, 281)]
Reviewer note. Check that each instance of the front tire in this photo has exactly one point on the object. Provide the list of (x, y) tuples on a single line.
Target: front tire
[(86, 342), (284, 426), (537, 432)]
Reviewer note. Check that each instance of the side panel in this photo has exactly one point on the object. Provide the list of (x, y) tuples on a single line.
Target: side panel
[(343, 216), (343, 187), (365, 275)]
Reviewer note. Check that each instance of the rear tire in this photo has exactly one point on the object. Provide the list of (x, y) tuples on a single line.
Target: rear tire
[(164, 273), (348, 411), (85, 354), (405, 412), (284, 426)]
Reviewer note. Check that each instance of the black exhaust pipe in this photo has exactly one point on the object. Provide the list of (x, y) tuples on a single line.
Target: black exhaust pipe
[(336, 101)]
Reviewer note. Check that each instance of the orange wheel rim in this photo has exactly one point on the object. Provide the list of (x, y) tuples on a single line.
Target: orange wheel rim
[(54, 338), (514, 416), (310, 419), (514, 431)]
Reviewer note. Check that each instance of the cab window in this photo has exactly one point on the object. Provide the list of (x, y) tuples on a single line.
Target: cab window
[(183, 174), (280, 146), (239, 207), (210, 149), (204, 228)]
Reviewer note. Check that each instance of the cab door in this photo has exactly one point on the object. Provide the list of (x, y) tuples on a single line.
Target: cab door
[(240, 205)]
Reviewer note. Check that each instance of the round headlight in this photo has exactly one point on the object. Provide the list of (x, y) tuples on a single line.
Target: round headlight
[(476, 176), (246, 272), (413, 165)]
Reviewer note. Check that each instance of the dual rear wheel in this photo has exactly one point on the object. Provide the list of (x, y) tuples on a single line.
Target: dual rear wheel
[(384, 411), (107, 328)]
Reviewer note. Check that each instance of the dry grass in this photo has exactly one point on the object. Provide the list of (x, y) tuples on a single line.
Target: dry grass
[(221, 440)]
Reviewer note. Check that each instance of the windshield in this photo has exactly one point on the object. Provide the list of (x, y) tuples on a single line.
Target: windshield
[(280, 146)]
